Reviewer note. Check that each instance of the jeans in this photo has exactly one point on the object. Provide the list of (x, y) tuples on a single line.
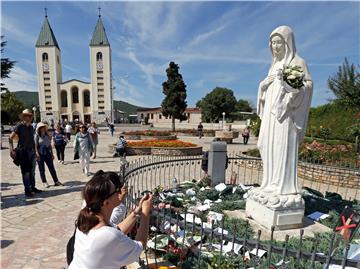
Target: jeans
[(27, 166), (47, 158), (84, 160), (246, 139), (60, 152)]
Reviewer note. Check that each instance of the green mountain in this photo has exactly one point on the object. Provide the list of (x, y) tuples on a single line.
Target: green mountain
[(30, 99), (126, 107)]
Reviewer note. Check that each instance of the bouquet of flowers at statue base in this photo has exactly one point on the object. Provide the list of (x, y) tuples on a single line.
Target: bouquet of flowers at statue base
[(293, 76)]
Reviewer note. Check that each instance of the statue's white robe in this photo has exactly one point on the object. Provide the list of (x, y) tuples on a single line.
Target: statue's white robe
[(284, 118)]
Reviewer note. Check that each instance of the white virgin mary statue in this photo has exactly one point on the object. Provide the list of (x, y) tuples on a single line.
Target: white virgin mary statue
[(283, 111)]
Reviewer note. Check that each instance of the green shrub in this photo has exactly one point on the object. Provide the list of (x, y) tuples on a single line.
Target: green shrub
[(335, 117)]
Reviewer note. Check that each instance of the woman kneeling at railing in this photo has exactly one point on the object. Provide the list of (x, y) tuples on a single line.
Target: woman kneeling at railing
[(99, 245)]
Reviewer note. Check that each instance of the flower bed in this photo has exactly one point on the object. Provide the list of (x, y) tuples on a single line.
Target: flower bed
[(324, 153), (161, 147), (149, 135), (161, 144), (193, 132)]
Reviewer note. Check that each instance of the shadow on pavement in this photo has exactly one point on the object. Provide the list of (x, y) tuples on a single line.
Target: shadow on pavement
[(20, 199), (4, 186), (6, 243)]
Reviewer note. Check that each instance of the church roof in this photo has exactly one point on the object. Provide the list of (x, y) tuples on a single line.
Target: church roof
[(46, 36), (99, 37)]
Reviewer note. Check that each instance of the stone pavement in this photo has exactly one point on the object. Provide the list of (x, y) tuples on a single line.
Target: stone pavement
[(35, 231)]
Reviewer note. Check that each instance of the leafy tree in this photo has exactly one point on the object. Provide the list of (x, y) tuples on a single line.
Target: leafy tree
[(345, 84), (243, 106), (6, 64), (216, 102), (11, 107), (174, 88)]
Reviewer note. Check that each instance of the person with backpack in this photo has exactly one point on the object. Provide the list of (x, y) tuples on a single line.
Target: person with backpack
[(120, 147), (94, 132), (97, 243), (44, 154), (59, 141)]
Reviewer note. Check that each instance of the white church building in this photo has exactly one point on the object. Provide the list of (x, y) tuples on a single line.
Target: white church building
[(74, 99)]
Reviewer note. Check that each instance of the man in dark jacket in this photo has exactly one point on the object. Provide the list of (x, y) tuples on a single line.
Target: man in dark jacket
[(24, 154)]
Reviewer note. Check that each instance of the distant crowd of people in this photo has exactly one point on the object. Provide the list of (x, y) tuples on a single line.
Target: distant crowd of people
[(36, 142)]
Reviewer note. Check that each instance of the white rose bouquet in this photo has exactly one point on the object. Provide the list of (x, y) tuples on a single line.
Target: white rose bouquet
[(293, 76)]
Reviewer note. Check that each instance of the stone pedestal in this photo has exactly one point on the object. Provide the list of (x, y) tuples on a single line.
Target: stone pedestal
[(227, 136), (217, 162), (281, 211)]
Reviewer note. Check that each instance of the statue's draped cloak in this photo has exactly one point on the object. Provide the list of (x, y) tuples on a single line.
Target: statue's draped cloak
[(284, 118)]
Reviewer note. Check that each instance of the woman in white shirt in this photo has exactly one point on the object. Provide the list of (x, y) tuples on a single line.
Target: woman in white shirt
[(99, 245)]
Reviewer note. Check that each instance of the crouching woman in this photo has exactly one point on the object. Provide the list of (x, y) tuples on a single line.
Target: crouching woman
[(97, 243)]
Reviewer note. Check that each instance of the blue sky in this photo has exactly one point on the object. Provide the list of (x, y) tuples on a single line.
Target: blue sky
[(215, 43)]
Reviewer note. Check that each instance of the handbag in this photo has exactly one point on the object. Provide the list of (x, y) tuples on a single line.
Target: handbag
[(70, 247), (76, 155), (16, 159)]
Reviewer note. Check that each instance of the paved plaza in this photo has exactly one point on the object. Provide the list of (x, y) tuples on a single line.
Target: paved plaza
[(34, 231)]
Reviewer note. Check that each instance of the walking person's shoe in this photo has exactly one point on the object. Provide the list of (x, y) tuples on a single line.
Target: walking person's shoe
[(58, 183), (62, 162), (29, 194), (46, 185), (59, 161), (35, 190)]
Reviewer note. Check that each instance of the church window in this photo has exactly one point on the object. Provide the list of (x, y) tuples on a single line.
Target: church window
[(58, 59), (45, 57), (75, 95), (99, 56), (64, 99), (86, 98)]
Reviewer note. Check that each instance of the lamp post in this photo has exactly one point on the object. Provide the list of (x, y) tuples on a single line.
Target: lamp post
[(113, 105), (223, 121), (34, 109)]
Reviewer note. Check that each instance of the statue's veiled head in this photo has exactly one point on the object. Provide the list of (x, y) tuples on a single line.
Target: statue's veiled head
[(282, 44)]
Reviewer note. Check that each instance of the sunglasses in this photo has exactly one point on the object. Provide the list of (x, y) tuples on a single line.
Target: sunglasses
[(117, 189)]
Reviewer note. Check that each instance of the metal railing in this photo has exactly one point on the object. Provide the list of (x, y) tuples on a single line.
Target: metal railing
[(150, 172)]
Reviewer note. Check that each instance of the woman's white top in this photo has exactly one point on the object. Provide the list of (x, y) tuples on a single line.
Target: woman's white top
[(105, 248)]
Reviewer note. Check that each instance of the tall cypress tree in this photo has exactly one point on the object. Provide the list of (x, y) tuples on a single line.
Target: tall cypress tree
[(174, 88), (6, 64)]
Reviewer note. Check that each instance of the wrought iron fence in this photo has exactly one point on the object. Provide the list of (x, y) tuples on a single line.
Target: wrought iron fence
[(149, 172)]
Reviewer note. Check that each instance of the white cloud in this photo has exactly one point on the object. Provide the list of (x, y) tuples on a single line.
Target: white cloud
[(21, 80), (147, 69), (127, 92), (204, 36), (13, 31)]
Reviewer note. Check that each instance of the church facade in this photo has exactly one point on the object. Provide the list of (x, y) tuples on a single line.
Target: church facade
[(74, 100)]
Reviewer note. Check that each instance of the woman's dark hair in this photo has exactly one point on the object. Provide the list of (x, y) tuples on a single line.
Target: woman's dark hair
[(113, 176), (95, 192), (115, 179)]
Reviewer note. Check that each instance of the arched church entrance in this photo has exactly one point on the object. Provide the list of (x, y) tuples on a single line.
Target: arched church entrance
[(76, 116)]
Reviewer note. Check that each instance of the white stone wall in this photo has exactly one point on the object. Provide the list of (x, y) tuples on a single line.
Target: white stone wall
[(55, 75)]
